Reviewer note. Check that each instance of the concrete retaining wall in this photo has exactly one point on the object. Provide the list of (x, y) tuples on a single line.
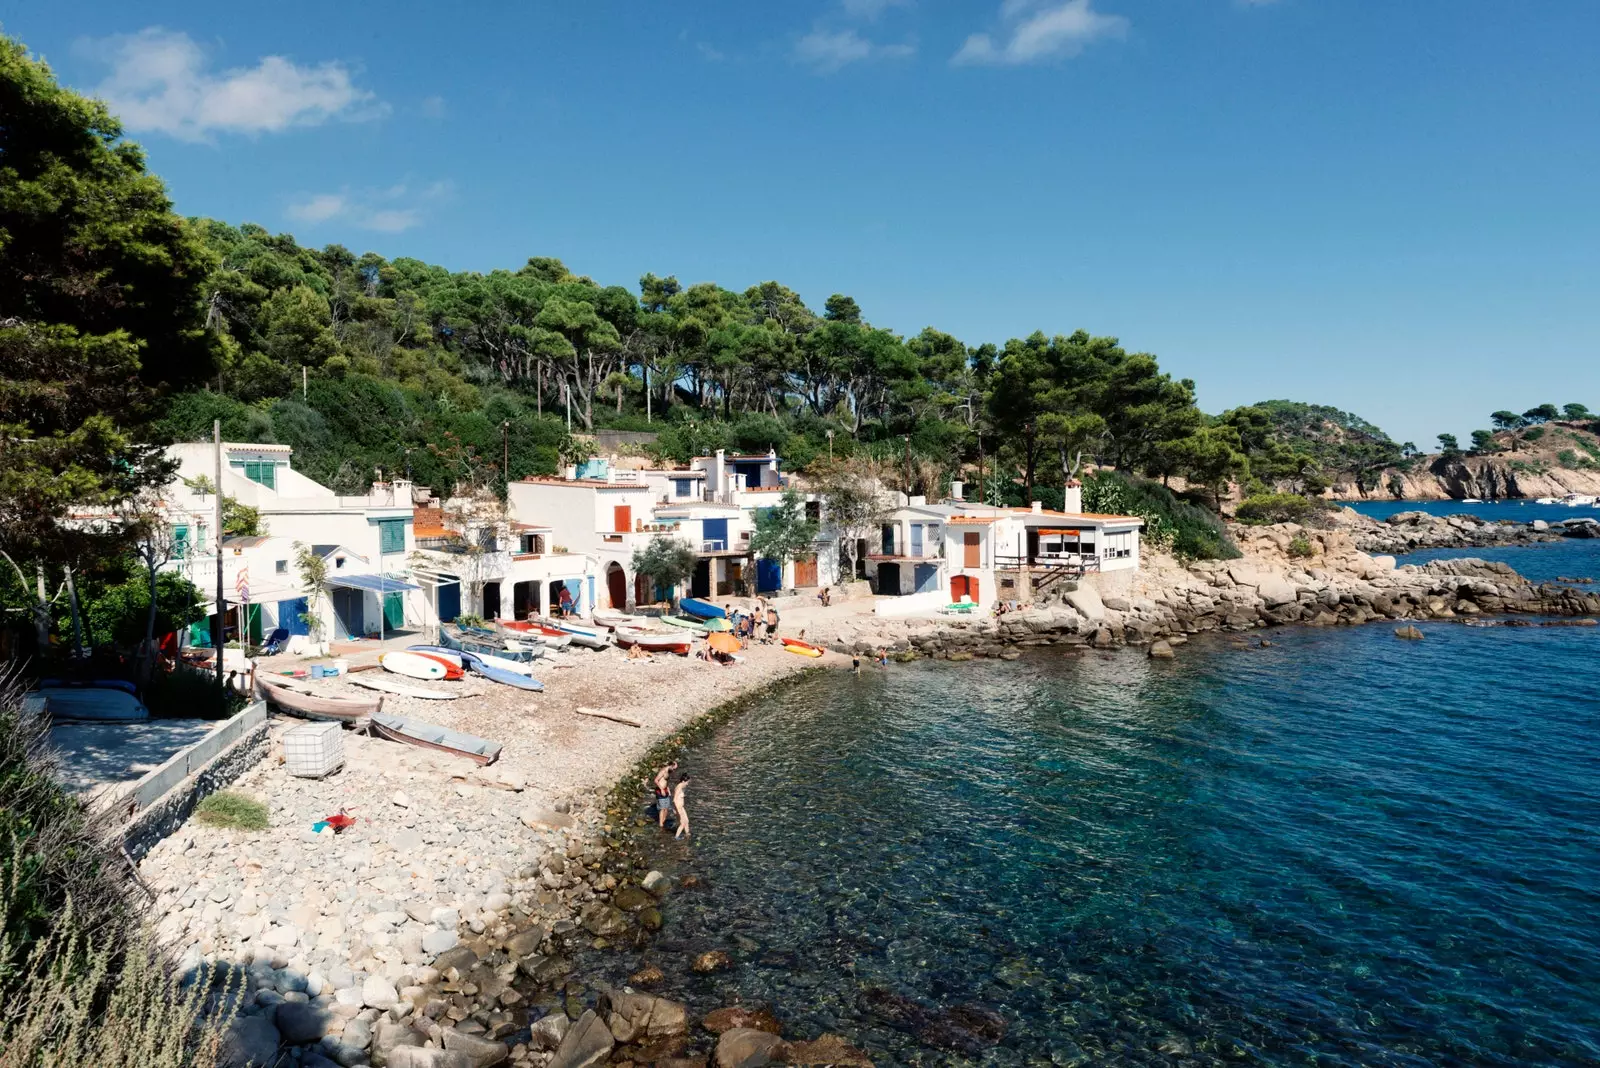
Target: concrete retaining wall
[(162, 800)]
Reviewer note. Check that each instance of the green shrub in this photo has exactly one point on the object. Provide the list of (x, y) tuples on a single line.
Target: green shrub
[(1274, 508), (80, 979), (186, 693), (1533, 435), (1187, 530), (1567, 458), (233, 811), (1299, 547)]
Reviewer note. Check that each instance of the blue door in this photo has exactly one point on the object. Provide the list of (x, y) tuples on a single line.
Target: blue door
[(927, 576), (449, 602), (916, 539), (289, 613), (716, 530), (769, 576)]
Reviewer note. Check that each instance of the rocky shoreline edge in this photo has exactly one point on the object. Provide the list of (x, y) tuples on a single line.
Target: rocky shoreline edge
[(511, 955)]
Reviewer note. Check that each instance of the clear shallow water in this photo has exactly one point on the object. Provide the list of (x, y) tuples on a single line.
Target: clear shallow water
[(1341, 850)]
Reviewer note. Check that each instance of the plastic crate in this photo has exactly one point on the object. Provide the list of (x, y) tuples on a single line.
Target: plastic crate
[(313, 750)]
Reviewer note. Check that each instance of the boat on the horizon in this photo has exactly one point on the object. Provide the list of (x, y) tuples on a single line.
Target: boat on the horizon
[(431, 736), (1471, 500)]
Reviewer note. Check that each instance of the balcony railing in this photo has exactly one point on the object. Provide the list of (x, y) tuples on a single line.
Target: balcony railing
[(1069, 562)]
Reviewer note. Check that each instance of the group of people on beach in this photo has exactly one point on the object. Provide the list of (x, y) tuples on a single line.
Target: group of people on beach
[(670, 798)]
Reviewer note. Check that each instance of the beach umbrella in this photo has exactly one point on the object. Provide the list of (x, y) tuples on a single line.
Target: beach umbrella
[(718, 624), (723, 643)]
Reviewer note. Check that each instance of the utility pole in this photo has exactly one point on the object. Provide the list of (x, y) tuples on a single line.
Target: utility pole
[(302, 384), (222, 606), (980, 468), (908, 465), (505, 451), (566, 394)]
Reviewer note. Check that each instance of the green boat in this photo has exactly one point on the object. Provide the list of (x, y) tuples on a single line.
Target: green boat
[(694, 625)]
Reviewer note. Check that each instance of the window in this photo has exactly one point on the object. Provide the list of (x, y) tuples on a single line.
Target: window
[(180, 543), (338, 563), (680, 486), (262, 472), (281, 567), (200, 538), (391, 535)]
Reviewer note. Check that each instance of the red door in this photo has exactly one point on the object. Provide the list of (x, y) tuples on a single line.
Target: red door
[(617, 587), (969, 547), (622, 518), (963, 586)]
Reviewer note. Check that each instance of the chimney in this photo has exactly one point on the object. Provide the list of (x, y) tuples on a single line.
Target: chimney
[(958, 491), (1038, 507), (918, 501), (1072, 498)]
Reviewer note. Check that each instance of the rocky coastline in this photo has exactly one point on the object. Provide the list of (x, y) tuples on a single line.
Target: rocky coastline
[(447, 928), (1406, 532)]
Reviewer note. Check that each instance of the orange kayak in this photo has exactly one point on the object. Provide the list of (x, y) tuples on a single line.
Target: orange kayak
[(800, 648)]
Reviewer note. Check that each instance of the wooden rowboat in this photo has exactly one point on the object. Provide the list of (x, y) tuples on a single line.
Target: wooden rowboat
[(656, 642), (593, 637), (693, 626), (300, 699), (474, 642), (428, 736), (610, 617)]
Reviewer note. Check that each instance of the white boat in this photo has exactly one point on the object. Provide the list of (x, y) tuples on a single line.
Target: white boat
[(1472, 500), (1578, 500), (1548, 500), (412, 665)]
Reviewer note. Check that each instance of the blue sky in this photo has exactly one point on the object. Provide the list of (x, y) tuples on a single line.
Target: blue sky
[(1390, 207)]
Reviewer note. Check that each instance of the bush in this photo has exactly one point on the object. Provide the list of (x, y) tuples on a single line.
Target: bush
[(186, 693), (1273, 508), (80, 978), (1299, 547), (232, 810), (1187, 530)]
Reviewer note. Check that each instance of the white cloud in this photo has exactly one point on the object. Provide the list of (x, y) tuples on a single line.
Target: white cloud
[(827, 51), (1035, 31), (389, 211), (160, 81)]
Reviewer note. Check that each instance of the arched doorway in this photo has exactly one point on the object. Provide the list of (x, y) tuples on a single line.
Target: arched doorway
[(617, 585), (964, 586)]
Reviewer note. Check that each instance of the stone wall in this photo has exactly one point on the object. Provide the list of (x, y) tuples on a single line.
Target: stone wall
[(168, 814)]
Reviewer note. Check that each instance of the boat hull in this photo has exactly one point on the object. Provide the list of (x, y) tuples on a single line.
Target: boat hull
[(655, 643), (416, 666), (504, 676), (429, 736), (694, 606), (93, 704), (315, 706)]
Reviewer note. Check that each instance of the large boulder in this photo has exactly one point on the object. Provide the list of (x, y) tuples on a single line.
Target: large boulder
[(588, 1042), (483, 1052), (1088, 603), (301, 1023), (602, 920), (744, 1047), (548, 1031), (1275, 591), (636, 1017), (416, 1057), (250, 1042)]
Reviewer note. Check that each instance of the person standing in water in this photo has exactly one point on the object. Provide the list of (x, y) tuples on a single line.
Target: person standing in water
[(664, 793), (681, 804)]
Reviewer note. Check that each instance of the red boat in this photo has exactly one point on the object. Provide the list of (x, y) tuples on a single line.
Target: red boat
[(532, 630), (654, 641)]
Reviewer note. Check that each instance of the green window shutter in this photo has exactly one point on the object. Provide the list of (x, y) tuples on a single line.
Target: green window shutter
[(180, 542), (269, 475), (391, 535)]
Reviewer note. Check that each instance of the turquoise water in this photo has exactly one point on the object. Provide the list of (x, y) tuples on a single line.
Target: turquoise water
[(1341, 850)]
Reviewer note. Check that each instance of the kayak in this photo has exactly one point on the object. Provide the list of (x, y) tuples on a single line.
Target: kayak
[(460, 657), (800, 648), (452, 667)]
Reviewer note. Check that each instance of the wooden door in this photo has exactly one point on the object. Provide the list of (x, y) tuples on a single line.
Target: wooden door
[(805, 571), (971, 557), (622, 518), (963, 586), (617, 588)]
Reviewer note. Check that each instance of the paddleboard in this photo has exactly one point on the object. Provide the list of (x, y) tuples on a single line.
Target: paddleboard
[(412, 665), (400, 689)]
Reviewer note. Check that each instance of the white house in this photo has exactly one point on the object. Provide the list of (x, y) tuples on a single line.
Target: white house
[(366, 540), (964, 549), (494, 566)]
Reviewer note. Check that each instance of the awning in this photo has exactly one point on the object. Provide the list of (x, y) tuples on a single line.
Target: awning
[(374, 583)]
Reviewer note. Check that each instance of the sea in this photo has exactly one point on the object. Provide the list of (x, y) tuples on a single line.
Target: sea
[(1330, 848)]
